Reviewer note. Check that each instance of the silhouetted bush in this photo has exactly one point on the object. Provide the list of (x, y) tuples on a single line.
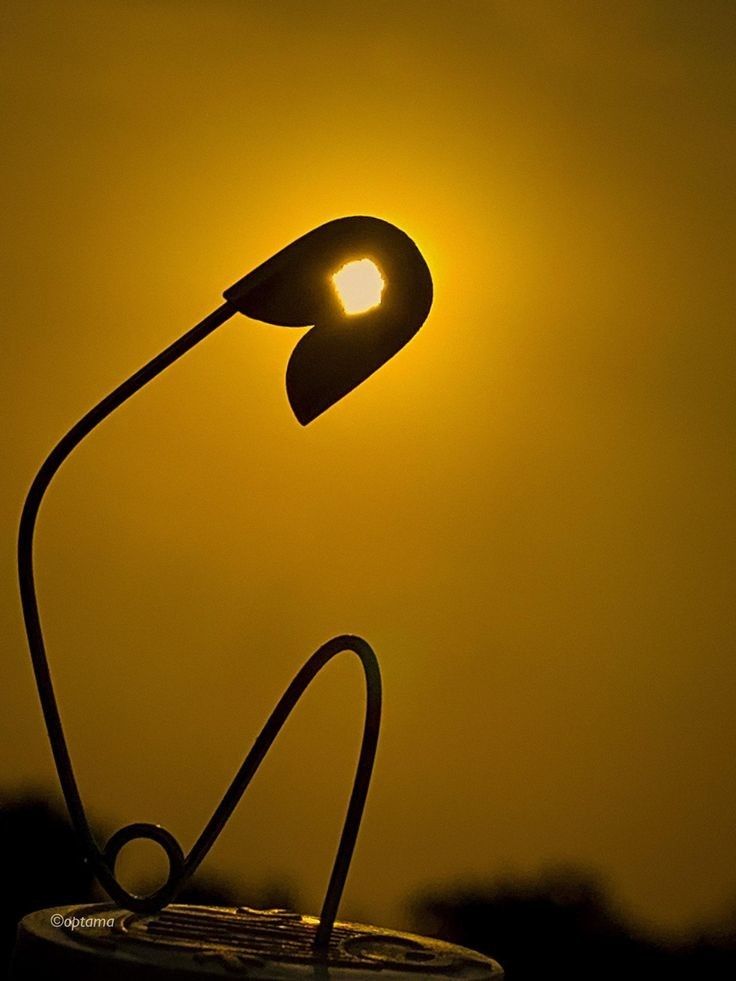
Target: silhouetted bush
[(563, 925), (42, 865)]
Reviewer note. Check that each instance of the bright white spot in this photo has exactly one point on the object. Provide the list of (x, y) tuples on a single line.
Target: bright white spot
[(359, 285)]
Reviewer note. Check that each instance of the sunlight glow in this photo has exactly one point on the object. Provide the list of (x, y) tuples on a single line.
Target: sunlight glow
[(359, 285)]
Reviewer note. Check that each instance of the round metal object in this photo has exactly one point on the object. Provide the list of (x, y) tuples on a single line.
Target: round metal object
[(81, 943)]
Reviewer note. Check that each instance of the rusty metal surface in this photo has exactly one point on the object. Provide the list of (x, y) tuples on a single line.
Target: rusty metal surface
[(214, 942)]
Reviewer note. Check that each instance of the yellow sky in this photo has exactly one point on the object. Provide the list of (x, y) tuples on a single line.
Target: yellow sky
[(528, 512)]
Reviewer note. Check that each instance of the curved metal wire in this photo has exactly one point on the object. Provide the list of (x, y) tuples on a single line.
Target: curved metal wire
[(180, 867)]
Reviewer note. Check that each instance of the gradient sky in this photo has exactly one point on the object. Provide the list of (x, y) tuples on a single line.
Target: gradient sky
[(529, 512)]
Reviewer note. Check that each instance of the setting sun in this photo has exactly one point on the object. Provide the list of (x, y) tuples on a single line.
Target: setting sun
[(359, 285)]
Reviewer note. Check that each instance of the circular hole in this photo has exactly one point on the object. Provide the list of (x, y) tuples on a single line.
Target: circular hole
[(142, 866)]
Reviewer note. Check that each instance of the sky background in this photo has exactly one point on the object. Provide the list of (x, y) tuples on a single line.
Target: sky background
[(529, 512)]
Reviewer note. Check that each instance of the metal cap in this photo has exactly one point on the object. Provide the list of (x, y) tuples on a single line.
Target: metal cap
[(81, 943)]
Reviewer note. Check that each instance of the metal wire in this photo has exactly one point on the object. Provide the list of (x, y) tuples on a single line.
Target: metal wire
[(181, 867)]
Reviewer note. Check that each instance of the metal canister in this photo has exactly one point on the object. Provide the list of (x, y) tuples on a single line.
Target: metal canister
[(105, 943)]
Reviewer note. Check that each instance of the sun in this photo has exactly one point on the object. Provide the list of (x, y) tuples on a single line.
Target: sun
[(359, 285)]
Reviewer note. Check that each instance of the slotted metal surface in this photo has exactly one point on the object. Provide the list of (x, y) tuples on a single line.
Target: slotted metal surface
[(268, 935), (212, 942), (259, 933)]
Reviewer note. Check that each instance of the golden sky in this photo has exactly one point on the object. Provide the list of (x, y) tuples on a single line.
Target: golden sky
[(529, 512)]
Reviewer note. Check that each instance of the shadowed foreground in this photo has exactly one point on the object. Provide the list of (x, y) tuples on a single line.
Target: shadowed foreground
[(558, 925), (563, 925), (43, 866)]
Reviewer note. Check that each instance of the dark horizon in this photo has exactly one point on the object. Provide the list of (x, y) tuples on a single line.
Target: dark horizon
[(564, 916)]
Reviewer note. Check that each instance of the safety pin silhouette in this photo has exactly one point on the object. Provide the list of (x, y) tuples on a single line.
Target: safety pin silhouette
[(349, 339)]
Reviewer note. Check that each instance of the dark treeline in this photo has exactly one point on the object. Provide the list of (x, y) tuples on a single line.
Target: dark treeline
[(563, 925), (560, 925)]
